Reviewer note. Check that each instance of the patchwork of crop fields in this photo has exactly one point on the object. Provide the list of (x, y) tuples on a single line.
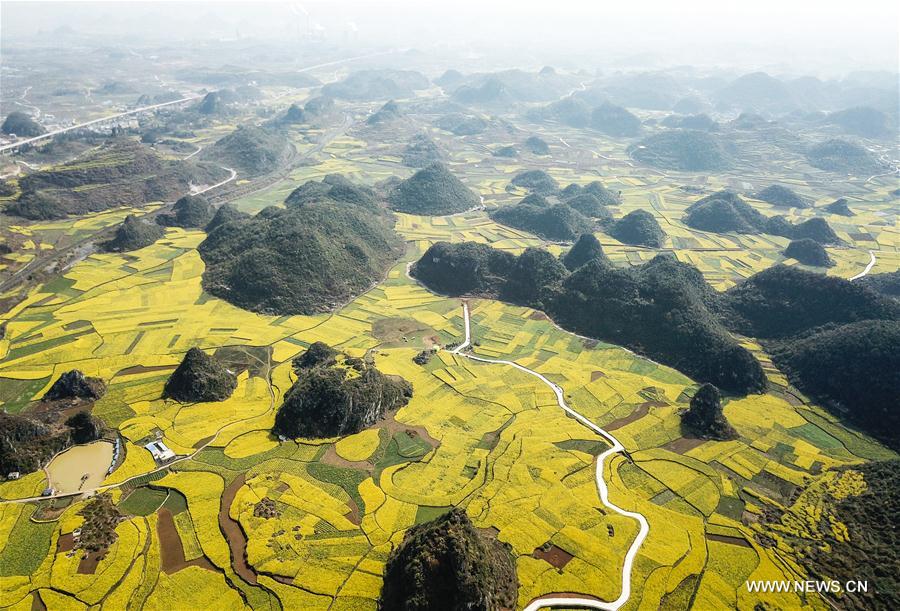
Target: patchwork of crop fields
[(481, 436)]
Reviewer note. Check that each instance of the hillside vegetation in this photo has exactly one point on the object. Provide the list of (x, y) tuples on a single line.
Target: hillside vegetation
[(133, 234), (381, 84), (335, 188), (22, 125), (337, 397), (225, 214), (808, 252), (433, 190), (536, 181), (869, 546), (699, 121), (461, 125), (783, 301), (421, 151), (449, 565), (663, 308), (852, 369), (250, 150), (595, 188), (638, 228), (864, 121), (390, 111), (586, 249), (839, 207), (190, 212), (299, 260), (199, 377), (843, 157), (704, 417), (26, 444), (781, 196), (887, 283), (537, 145), (725, 211), (120, 173), (558, 222), (615, 121), (682, 150)]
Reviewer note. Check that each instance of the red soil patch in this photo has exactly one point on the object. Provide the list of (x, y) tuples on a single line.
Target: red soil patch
[(234, 534), (331, 457), (170, 548), (65, 543), (567, 595), (740, 541), (642, 410), (134, 369), (538, 316), (354, 514), (200, 443), (431, 341), (37, 604), (88, 563), (392, 426), (555, 556), (683, 444)]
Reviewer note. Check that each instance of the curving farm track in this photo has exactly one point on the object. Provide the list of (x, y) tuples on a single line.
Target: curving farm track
[(615, 447)]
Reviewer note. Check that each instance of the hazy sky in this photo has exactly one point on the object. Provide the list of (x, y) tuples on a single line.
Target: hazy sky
[(820, 36)]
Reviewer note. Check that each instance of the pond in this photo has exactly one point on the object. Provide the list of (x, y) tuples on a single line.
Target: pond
[(80, 467)]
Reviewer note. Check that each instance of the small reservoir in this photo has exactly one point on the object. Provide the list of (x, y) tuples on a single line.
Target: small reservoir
[(80, 467)]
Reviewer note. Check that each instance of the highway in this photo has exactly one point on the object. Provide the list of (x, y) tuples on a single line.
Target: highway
[(15, 145)]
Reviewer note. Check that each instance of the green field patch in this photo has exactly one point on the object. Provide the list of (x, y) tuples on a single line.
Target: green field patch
[(815, 435), (589, 446), (680, 598), (47, 344), (730, 507), (345, 478), (145, 479), (61, 286), (399, 330), (218, 458), (411, 445), (77, 324), (143, 501), (15, 394), (392, 456), (771, 483), (27, 546), (490, 439), (175, 502), (427, 513)]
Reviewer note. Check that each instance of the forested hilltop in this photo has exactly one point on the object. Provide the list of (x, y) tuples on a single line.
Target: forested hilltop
[(329, 244), (824, 332), (664, 308)]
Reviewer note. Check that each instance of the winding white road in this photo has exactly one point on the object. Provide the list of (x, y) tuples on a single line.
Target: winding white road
[(615, 448), (868, 267), (199, 148), (218, 184)]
